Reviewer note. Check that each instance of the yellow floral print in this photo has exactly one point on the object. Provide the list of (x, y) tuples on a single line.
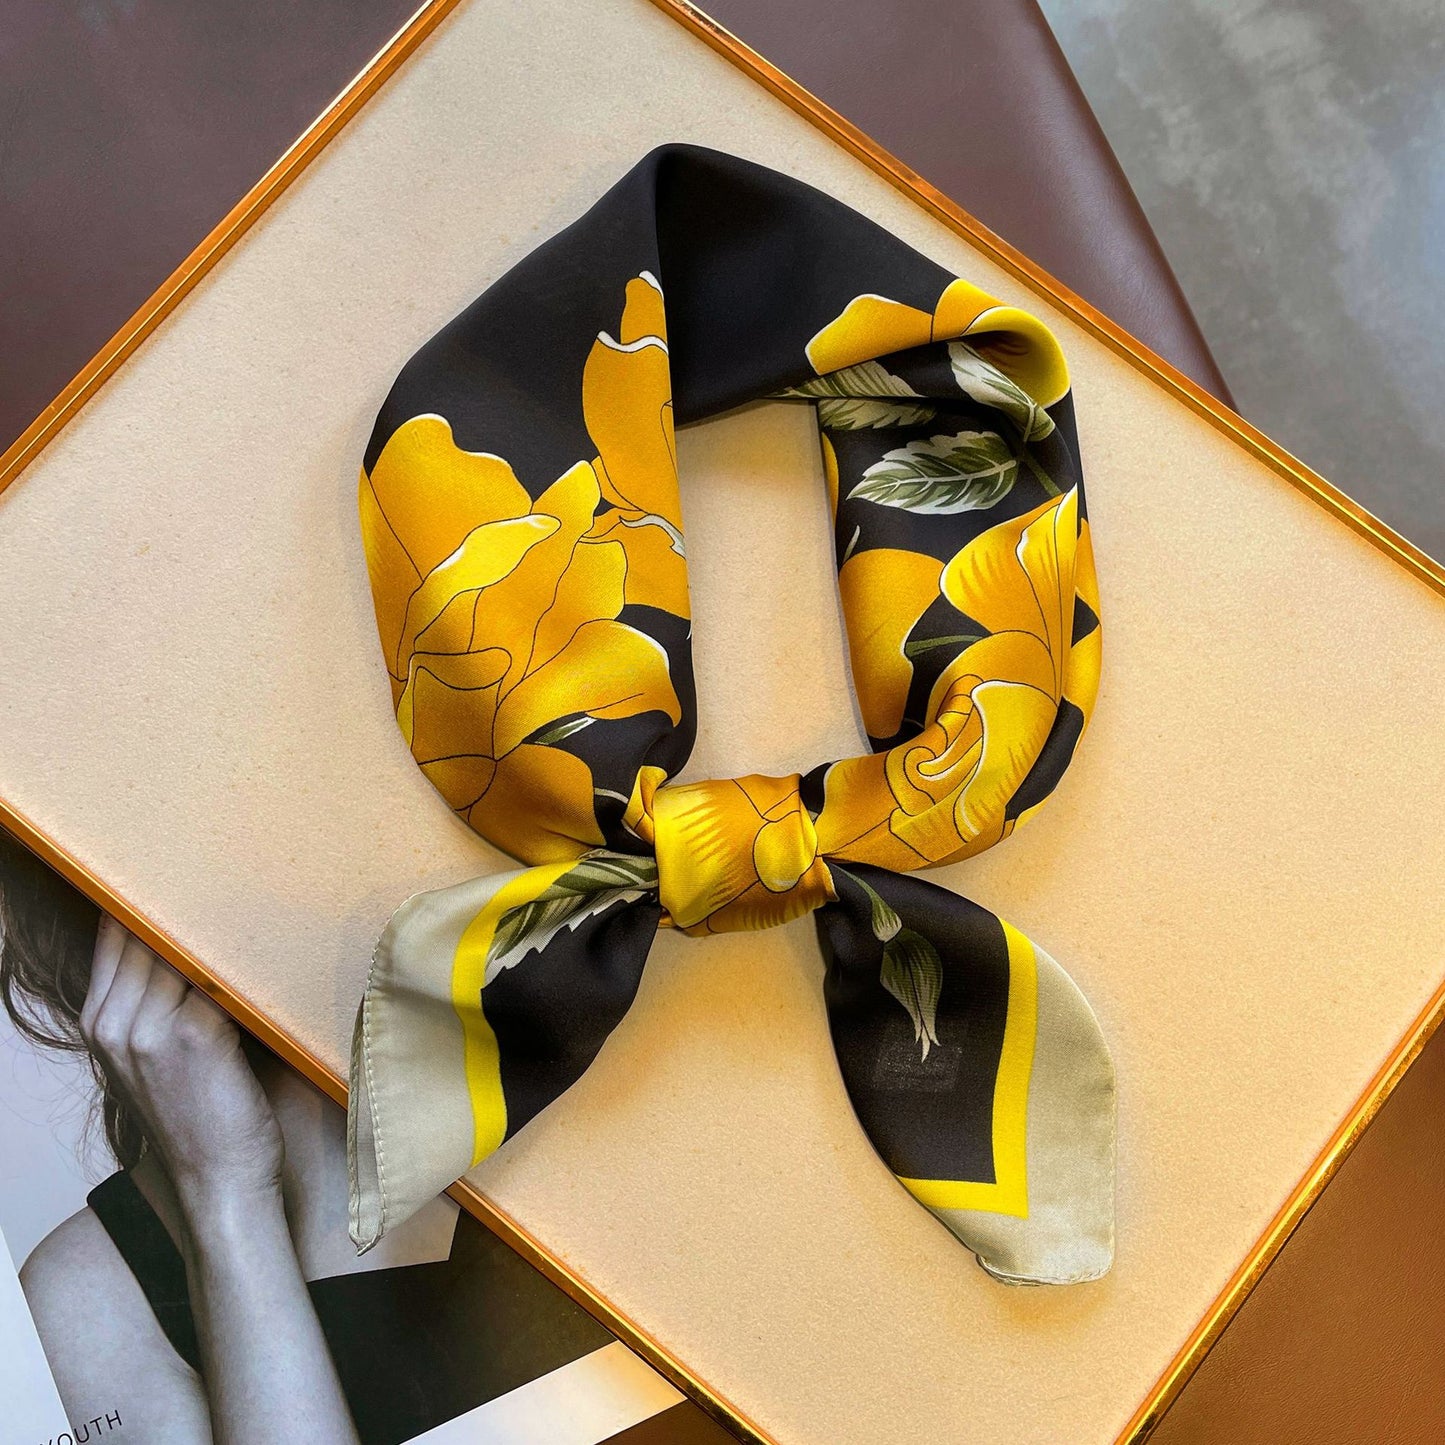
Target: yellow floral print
[(736, 853), (884, 591), (498, 620), (1020, 345), (627, 406), (942, 795)]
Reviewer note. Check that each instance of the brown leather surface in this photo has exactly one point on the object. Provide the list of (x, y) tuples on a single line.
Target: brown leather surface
[(681, 1425), (128, 128), (1343, 1340), (976, 96)]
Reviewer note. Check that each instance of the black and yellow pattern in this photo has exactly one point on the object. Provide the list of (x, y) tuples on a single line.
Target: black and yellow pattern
[(526, 547)]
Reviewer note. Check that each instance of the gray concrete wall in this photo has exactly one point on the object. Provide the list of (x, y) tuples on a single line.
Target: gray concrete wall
[(1291, 156)]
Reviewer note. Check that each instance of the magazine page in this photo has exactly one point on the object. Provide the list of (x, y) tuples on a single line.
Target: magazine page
[(176, 1269)]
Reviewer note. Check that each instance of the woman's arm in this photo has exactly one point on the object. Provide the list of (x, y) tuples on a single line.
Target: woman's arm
[(177, 1060), (268, 1374)]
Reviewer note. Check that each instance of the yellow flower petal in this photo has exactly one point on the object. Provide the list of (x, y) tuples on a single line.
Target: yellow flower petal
[(1016, 724), (449, 704), (1019, 344), (656, 571), (940, 762), (590, 588), (507, 613), (1001, 657), (627, 408), (1046, 553), (433, 494), (853, 823), (935, 833), (830, 474), (452, 630), (486, 555), (393, 577), (704, 834), (1009, 577), (461, 781), (736, 853), (643, 313), (759, 907), (942, 795), (783, 851), (869, 326), (540, 806), (638, 816), (1086, 579), (773, 797), (1081, 675), (958, 308), (884, 592), (607, 670), (952, 738)]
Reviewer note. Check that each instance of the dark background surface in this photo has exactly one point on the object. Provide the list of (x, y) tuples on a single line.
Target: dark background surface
[(130, 127)]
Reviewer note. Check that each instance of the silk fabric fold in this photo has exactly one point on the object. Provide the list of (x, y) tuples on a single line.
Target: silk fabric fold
[(527, 555)]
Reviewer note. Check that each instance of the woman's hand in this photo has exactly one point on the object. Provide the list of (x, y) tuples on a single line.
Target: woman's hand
[(176, 1060)]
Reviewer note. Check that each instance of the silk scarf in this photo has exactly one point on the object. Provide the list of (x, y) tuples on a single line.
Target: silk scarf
[(522, 529)]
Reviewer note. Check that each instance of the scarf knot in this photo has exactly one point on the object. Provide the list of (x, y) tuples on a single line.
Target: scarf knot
[(736, 853)]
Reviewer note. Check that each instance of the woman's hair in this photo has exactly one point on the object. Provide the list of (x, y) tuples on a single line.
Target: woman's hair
[(47, 942)]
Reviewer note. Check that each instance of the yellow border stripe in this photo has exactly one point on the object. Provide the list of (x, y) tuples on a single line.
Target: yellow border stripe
[(483, 1059), (1010, 1193)]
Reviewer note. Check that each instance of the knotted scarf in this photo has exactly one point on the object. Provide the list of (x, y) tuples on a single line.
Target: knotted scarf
[(520, 514)]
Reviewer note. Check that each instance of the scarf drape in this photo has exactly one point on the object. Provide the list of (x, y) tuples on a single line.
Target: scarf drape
[(520, 514)]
